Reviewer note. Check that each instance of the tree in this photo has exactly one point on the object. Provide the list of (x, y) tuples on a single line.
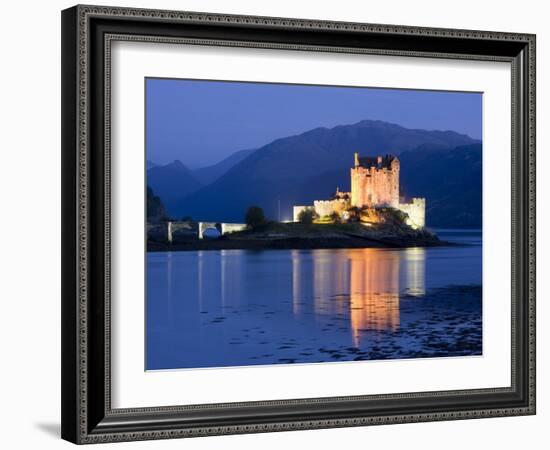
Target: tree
[(254, 217), (307, 216)]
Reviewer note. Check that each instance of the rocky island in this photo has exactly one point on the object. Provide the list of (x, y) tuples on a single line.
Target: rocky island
[(390, 231)]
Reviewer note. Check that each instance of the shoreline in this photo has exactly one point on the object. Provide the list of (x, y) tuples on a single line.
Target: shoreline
[(294, 243)]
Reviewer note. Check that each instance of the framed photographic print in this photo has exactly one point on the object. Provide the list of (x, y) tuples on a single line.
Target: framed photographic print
[(268, 222)]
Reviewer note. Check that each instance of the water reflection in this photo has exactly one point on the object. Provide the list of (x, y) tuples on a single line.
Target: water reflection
[(238, 307), (361, 284), (415, 268), (374, 291)]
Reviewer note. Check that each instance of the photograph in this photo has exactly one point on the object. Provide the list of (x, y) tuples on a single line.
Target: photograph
[(310, 224)]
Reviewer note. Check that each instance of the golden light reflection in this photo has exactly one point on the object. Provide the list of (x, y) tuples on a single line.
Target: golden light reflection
[(363, 285), (374, 291)]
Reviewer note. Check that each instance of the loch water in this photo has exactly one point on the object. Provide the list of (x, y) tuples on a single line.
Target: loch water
[(242, 307)]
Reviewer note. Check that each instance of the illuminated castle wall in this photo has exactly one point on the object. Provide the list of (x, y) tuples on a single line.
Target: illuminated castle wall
[(374, 183)]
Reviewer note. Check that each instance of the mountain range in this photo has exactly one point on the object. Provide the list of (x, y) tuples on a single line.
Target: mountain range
[(443, 166)]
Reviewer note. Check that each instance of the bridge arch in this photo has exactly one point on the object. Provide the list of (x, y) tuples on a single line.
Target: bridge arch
[(203, 226), (223, 228)]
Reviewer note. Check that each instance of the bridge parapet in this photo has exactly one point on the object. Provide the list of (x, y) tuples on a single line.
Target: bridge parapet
[(232, 227)]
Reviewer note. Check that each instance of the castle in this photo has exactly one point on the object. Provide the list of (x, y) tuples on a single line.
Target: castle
[(374, 183)]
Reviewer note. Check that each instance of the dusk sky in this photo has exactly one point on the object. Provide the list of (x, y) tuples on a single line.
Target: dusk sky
[(202, 122)]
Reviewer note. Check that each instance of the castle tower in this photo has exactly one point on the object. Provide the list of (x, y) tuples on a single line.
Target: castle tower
[(375, 181)]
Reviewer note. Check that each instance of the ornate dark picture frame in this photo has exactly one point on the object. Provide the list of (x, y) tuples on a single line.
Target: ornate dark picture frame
[(87, 33)]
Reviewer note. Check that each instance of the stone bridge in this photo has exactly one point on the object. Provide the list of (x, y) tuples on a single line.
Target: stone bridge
[(174, 231)]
